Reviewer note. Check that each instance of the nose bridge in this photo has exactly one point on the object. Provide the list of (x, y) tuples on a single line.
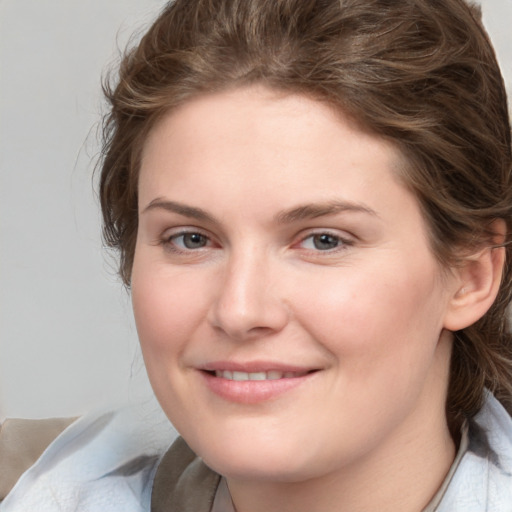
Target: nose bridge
[(248, 301)]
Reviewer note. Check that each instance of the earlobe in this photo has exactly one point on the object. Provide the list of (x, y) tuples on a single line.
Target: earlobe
[(477, 285)]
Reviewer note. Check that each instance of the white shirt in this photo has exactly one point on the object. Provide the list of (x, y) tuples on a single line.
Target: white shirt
[(107, 462)]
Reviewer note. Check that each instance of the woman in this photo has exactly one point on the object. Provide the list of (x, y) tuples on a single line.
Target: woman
[(312, 206)]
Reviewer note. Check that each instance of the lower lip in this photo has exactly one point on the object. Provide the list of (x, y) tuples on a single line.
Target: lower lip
[(252, 391)]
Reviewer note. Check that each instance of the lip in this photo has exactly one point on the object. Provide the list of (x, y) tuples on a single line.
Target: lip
[(254, 367), (253, 391)]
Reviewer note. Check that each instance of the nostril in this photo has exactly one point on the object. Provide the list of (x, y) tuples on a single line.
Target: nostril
[(247, 316)]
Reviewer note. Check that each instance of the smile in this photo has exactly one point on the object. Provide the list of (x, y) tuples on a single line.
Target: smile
[(257, 376), (254, 385)]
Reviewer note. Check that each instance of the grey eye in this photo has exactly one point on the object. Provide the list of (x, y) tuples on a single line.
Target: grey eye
[(324, 242), (191, 240)]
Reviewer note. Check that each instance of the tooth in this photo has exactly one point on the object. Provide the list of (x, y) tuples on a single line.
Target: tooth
[(257, 376), (243, 376)]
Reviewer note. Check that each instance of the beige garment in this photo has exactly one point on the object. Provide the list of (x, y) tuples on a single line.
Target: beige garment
[(183, 483), (21, 444)]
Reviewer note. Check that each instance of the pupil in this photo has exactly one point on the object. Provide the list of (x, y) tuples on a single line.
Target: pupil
[(325, 241), (193, 240)]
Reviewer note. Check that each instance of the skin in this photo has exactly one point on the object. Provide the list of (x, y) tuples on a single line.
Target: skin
[(367, 307)]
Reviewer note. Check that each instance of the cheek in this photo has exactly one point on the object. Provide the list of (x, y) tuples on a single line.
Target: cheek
[(376, 313), (166, 311), (382, 331)]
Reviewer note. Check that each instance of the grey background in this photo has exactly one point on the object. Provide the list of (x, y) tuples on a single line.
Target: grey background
[(67, 339)]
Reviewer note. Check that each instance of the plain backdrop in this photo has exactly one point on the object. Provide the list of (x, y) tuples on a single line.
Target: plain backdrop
[(67, 339)]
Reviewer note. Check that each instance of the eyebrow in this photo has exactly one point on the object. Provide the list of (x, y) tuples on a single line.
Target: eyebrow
[(295, 214), (314, 210), (179, 208)]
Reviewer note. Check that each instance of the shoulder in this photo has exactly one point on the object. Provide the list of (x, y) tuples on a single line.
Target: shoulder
[(483, 480), (103, 462)]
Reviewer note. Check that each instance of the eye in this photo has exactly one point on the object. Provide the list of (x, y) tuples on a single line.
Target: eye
[(323, 242), (188, 241)]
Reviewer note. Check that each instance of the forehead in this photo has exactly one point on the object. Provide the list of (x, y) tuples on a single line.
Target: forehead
[(219, 135)]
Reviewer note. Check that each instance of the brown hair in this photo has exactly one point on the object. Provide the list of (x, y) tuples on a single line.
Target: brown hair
[(421, 73)]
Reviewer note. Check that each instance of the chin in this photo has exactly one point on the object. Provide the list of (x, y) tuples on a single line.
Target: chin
[(255, 460), (258, 470)]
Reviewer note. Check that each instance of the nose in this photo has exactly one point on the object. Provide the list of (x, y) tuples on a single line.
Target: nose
[(248, 303)]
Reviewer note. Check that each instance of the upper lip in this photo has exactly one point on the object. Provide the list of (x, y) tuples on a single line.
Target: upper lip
[(254, 367)]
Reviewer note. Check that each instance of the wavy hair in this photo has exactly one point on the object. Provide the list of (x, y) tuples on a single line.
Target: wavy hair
[(420, 73)]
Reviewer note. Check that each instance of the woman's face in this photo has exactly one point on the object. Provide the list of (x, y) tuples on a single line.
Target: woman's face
[(289, 308)]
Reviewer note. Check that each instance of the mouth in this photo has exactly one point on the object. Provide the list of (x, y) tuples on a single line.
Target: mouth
[(254, 385), (258, 376)]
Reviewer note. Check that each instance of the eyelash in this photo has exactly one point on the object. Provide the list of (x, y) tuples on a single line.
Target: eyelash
[(342, 242), (169, 242)]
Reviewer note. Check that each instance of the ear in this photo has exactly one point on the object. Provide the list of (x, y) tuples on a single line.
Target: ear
[(477, 282)]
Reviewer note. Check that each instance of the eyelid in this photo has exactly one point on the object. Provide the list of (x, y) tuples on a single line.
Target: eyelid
[(169, 235), (344, 238)]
